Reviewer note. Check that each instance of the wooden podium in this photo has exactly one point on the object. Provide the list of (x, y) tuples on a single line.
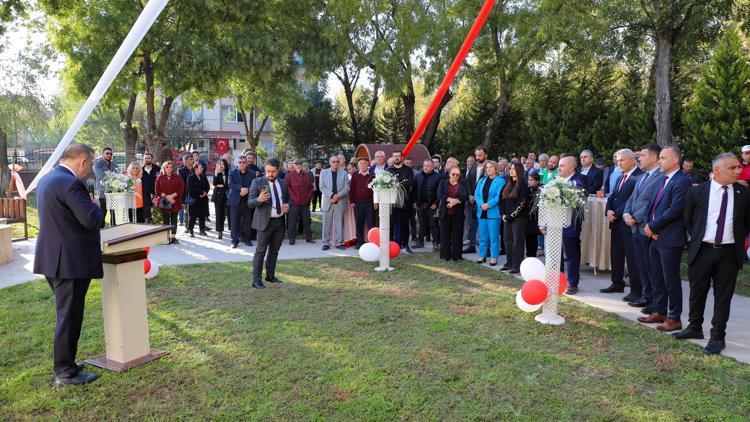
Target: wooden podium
[(124, 295)]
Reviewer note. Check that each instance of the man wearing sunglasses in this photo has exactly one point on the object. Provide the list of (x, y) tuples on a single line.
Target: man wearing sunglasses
[(103, 165)]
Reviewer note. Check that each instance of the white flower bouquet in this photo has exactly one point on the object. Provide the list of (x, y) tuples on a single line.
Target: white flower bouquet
[(388, 181), (561, 194), (118, 183)]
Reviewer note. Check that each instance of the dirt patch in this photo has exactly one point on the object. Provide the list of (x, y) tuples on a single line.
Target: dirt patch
[(401, 292), (338, 394)]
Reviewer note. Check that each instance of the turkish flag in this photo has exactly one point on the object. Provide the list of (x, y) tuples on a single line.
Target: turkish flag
[(222, 145)]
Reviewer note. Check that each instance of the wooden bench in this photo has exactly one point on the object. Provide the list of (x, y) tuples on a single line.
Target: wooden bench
[(14, 210)]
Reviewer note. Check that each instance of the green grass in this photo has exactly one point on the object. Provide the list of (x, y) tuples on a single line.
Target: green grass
[(32, 216), (338, 341)]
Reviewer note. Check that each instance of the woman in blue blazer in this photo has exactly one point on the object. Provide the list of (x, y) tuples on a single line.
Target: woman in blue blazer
[(487, 196)]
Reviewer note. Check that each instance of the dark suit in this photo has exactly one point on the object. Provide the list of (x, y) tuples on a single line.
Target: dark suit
[(240, 215), (665, 218), (594, 179), (68, 254), (621, 247), (707, 263), (471, 185), (270, 229), (572, 239)]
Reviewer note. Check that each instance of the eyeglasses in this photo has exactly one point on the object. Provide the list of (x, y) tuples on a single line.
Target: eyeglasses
[(455, 174)]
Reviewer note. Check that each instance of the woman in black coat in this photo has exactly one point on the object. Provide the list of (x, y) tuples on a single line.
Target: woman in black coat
[(197, 191), (219, 197), (514, 204), (532, 224), (452, 195)]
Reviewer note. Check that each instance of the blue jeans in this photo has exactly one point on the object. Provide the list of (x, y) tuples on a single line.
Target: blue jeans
[(489, 234), (181, 216)]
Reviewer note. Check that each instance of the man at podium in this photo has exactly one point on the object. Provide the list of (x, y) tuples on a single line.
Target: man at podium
[(68, 253)]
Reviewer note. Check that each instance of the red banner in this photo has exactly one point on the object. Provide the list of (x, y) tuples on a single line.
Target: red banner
[(222, 146)]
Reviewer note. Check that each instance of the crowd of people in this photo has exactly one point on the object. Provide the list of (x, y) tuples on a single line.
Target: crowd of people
[(487, 208)]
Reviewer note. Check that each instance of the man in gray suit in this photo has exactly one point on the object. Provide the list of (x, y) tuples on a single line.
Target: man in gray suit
[(269, 197), (334, 183), (635, 216)]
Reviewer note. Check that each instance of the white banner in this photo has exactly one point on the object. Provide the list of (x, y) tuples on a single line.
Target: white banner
[(137, 32)]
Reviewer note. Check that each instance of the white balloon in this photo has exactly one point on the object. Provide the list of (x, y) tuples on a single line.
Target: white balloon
[(370, 252), (532, 269), (522, 305), (153, 272)]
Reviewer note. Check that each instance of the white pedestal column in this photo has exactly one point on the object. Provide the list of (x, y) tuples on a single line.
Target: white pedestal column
[(555, 219)]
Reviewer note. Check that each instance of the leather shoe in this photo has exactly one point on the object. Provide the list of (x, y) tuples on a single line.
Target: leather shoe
[(714, 347), (670, 325), (630, 297), (640, 303), (325, 247), (234, 245), (571, 290), (470, 249), (257, 284), (653, 318), (689, 332), (81, 378), (273, 280), (613, 288), (291, 242), (648, 310), (309, 241), (249, 243)]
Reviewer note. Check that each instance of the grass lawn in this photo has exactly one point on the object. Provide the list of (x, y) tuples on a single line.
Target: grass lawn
[(337, 341)]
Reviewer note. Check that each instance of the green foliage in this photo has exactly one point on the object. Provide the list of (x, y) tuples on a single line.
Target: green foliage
[(717, 117), (390, 124)]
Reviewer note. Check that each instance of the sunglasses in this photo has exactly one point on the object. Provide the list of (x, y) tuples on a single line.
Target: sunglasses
[(455, 174)]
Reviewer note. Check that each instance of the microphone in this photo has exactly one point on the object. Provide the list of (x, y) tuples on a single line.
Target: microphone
[(91, 185)]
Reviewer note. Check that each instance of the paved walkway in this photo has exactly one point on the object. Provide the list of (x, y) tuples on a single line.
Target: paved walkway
[(210, 249)]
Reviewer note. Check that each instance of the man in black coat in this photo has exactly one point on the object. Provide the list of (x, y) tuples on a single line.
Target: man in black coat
[(68, 253), (426, 185), (594, 176), (400, 220), (717, 214), (148, 179)]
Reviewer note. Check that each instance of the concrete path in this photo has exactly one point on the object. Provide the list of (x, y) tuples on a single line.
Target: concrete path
[(206, 249)]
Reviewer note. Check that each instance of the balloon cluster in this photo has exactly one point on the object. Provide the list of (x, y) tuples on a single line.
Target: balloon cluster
[(534, 292), (370, 252), (150, 269)]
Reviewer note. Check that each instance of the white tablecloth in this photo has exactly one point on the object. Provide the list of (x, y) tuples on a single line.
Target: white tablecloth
[(595, 235)]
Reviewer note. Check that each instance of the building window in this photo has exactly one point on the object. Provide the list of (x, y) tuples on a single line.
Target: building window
[(231, 114), (193, 116)]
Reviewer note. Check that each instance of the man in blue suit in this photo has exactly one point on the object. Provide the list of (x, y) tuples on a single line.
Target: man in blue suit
[(666, 228), (594, 176), (635, 215), (68, 253), (239, 181), (572, 233), (621, 247)]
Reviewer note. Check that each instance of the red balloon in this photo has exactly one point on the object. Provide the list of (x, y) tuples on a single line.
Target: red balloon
[(146, 266), (374, 236), (395, 249), (534, 292), (563, 284), (147, 249)]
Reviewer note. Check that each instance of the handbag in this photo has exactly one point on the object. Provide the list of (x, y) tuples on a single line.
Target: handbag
[(162, 203), (189, 200)]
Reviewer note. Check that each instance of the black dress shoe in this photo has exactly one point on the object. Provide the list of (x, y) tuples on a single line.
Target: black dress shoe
[(648, 310), (291, 242), (221, 235), (175, 241), (514, 272), (273, 280), (630, 297), (613, 288), (81, 378), (714, 347), (258, 284), (325, 247), (470, 249), (407, 250), (309, 241), (340, 247), (202, 233), (234, 245), (249, 243), (640, 303), (688, 333)]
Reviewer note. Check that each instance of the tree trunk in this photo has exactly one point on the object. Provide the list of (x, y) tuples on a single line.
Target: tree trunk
[(129, 133), (374, 102), (432, 127), (255, 139), (4, 169), (663, 82), (493, 126), (349, 88), (165, 153), (409, 114)]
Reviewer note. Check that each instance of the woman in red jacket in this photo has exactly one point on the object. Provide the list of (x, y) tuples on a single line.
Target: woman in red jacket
[(169, 189)]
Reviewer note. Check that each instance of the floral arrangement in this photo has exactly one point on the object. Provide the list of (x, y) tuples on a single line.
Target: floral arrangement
[(561, 194), (117, 183), (388, 180)]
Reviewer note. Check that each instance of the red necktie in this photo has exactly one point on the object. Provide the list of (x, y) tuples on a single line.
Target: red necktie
[(624, 178)]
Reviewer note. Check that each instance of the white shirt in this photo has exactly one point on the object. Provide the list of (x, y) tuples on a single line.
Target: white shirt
[(379, 169), (585, 170), (480, 171), (669, 178), (271, 186), (629, 174), (714, 207)]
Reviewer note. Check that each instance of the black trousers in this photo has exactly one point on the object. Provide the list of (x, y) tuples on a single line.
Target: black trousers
[(427, 223), (170, 219), (70, 298), (400, 221), (147, 204), (363, 215), (717, 266), (316, 199), (299, 214), (621, 251), (452, 235), (240, 220), (136, 215), (269, 240), (220, 207), (201, 223), (413, 222), (103, 207), (514, 239), (532, 244)]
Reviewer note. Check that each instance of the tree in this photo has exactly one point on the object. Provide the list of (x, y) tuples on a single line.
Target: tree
[(10, 10), (318, 131), (717, 117)]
